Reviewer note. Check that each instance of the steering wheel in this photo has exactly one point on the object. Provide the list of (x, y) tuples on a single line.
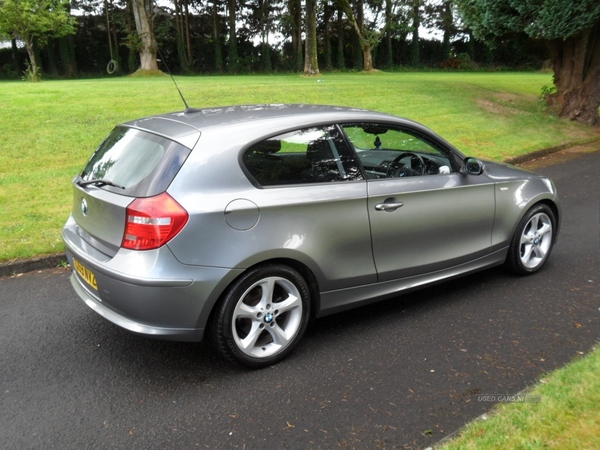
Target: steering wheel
[(395, 171)]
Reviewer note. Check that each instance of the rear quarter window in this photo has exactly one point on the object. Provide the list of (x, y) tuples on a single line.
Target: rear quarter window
[(142, 163)]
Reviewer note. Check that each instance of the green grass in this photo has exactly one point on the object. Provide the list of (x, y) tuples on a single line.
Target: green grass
[(49, 129), (566, 418)]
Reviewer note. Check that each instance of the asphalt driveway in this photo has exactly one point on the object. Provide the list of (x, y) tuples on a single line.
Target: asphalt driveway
[(399, 374)]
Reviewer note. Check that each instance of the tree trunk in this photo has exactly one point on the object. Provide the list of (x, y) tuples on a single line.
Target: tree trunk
[(51, 53), (295, 10), (389, 54), (341, 59), (15, 55), (327, 15), (311, 63), (186, 29), (142, 13), (217, 38), (184, 51), (576, 63), (31, 53), (359, 23), (366, 45), (265, 48), (179, 31), (233, 52), (66, 50), (131, 56), (367, 58), (447, 22), (415, 56)]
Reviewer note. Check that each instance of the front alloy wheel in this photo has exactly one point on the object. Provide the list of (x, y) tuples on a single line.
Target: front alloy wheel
[(532, 242), (262, 316)]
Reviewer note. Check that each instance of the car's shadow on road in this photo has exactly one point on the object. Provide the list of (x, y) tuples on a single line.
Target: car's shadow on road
[(197, 363)]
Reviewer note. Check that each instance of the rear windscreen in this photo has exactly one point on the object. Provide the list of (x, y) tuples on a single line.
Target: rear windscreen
[(140, 163)]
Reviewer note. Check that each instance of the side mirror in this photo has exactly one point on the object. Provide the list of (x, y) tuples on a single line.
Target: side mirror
[(473, 166)]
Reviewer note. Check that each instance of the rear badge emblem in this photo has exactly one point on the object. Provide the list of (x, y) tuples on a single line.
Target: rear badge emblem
[(84, 206)]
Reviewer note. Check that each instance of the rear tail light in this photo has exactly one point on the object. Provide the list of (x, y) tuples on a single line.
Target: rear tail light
[(152, 222)]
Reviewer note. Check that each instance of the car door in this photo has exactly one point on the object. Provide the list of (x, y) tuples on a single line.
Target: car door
[(425, 215), (311, 196)]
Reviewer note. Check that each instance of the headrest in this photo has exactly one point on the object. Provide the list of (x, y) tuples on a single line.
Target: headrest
[(267, 147)]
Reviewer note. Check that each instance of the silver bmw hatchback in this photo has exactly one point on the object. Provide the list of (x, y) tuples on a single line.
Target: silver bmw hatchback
[(242, 223)]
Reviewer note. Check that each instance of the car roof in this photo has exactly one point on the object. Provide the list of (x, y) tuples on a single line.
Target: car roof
[(206, 117), (186, 126)]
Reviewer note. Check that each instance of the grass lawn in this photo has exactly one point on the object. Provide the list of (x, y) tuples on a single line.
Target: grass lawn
[(50, 129), (566, 417)]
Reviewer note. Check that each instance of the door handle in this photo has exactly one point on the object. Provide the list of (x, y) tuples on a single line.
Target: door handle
[(391, 206)]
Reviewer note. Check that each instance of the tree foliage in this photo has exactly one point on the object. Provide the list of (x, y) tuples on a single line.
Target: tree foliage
[(541, 19), (368, 31), (35, 21), (571, 29), (235, 36)]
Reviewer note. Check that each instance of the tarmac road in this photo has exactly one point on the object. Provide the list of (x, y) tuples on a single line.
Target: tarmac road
[(399, 374)]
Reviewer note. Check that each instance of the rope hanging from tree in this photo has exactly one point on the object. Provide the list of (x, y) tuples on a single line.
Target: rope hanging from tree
[(113, 65)]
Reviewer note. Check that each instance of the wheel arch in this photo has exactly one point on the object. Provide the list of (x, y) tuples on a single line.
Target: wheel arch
[(551, 203), (508, 217), (557, 213), (307, 274), (527, 255)]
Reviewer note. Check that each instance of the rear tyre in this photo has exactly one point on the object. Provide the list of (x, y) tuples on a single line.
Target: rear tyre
[(532, 242), (262, 316)]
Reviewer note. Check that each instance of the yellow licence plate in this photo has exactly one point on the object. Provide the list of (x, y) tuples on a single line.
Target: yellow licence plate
[(85, 273)]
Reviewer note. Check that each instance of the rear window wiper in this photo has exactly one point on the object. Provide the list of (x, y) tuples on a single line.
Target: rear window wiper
[(99, 182)]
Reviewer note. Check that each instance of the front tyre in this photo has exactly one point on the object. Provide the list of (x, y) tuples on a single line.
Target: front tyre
[(262, 316), (532, 242)]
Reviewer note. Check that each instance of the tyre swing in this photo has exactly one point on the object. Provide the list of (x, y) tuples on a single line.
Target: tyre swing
[(113, 65)]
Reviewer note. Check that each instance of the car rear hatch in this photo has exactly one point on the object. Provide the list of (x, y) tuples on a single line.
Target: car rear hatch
[(130, 164)]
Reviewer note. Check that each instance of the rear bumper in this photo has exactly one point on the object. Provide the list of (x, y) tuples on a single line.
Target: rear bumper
[(147, 292), (179, 334)]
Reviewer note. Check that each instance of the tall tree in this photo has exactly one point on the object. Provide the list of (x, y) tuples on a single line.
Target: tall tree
[(217, 37), (34, 21), (265, 29), (66, 46), (415, 54), (295, 18), (341, 60), (570, 28), (182, 25), (440, 15), (131, 40), (262, 19), (311, 63), (368, 33), (233, 50), (397, 26), (389, 20), (358, 7), (446, 23), (14, 51), (143, 13), (328, 11)]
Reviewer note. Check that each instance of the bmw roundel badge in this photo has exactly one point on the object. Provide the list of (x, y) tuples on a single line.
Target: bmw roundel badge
[(84, 206)]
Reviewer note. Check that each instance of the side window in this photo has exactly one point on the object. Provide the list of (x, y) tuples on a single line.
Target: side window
[(388, 152), (310, 155)]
